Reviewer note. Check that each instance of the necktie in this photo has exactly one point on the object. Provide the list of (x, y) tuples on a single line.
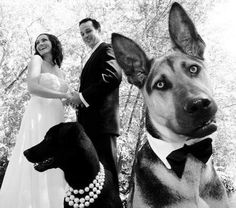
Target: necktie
[(201, 150)]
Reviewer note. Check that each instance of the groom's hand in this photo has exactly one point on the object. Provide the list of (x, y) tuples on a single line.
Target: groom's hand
[(66, 102), (75, 100)]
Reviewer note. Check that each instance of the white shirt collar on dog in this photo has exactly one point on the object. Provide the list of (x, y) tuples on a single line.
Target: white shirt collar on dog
[(162, 148)]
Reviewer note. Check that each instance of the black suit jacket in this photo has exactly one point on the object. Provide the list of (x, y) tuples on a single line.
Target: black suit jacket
[(99, 85)]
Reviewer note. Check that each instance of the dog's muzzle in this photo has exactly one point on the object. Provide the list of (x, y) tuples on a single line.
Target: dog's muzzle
[(44, 165)]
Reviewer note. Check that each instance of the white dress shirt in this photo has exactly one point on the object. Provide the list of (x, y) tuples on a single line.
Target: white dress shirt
[(162, 148)]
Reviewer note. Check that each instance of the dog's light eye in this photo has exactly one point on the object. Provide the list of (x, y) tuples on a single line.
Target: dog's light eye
[(160, 84), (193, 69)]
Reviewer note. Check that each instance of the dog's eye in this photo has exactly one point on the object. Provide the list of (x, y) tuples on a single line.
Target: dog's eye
[(160, 85), (194, 69)]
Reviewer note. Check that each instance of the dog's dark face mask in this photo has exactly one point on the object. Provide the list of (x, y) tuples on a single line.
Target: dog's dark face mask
[(61, 144)]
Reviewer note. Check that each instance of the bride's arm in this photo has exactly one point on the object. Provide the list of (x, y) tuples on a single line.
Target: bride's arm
[(65, 85), (34, 70)]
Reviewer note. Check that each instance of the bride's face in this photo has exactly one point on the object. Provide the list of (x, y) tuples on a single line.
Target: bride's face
[(43, 45)]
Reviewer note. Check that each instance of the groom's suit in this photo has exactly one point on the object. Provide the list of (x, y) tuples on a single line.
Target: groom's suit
[(99, 86)]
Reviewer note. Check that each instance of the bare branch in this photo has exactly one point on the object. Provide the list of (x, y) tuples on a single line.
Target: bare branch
[(17, 78), (126, 103), (229, 106), (30, 39), (3, 56), (68, 29), (133, 110), (137, 146), (157, 17)]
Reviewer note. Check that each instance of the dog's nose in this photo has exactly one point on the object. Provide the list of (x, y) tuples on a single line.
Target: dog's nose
[(26, 153), (197, 105)]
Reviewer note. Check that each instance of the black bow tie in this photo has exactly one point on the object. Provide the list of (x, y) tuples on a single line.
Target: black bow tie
[(201, 150)]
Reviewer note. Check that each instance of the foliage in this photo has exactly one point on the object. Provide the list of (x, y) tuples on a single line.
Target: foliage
[(3, 161), (145, 21), (227, 180)]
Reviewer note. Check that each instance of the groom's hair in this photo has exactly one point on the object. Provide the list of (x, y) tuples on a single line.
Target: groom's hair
[(95, 23)]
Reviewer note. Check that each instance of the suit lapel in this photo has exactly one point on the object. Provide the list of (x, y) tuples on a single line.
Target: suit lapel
[(93, 55), (89, 63)]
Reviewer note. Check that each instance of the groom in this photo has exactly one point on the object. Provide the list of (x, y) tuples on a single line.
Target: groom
[(97, 103)]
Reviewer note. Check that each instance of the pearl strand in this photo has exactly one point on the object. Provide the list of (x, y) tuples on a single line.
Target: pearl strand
[(93, 190)]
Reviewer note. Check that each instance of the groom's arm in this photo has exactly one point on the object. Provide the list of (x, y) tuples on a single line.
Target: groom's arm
[(109, 78)]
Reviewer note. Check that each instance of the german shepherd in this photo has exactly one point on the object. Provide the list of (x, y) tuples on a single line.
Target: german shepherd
[(180, 114)]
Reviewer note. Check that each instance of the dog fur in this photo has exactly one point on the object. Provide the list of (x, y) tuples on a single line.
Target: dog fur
[(66, 146), (180, 108)]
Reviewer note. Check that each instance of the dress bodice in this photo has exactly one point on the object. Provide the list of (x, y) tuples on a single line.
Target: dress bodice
[(52, 81)]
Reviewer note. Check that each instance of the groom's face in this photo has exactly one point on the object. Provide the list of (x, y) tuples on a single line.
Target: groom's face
[(89, 34)]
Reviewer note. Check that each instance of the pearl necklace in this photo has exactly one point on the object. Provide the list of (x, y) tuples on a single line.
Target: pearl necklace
[(92, 190)]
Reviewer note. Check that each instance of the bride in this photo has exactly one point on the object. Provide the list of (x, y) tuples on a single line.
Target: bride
[(24, 187)]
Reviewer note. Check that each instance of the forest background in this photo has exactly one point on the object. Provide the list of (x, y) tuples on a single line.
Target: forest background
[(145, 21)]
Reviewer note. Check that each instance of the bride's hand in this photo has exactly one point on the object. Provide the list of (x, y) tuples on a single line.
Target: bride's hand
[(67, 98), (65, 102)]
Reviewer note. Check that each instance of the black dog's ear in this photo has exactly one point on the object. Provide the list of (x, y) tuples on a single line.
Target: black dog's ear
[(54, 130), (131, 58), (183, 33)]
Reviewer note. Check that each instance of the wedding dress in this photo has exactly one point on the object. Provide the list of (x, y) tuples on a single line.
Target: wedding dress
[(23, 186)]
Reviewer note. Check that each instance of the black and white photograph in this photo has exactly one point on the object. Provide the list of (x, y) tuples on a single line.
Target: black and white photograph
[(117, 104)]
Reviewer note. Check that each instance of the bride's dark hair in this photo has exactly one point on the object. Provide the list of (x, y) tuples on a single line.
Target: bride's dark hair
[(57, 55)]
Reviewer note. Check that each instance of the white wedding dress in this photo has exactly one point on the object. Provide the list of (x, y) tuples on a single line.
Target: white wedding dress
[(23, 186)]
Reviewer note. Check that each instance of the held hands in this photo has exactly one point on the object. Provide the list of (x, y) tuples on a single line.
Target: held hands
[(73, 99)]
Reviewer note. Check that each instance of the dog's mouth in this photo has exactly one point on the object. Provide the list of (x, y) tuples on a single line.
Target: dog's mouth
[(205, 129), (44, 165)]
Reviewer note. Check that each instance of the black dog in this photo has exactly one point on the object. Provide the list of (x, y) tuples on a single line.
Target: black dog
[(66, 146)]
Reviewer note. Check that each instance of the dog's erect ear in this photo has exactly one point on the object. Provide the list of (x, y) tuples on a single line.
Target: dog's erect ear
[(183, 32), (131, 58)]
